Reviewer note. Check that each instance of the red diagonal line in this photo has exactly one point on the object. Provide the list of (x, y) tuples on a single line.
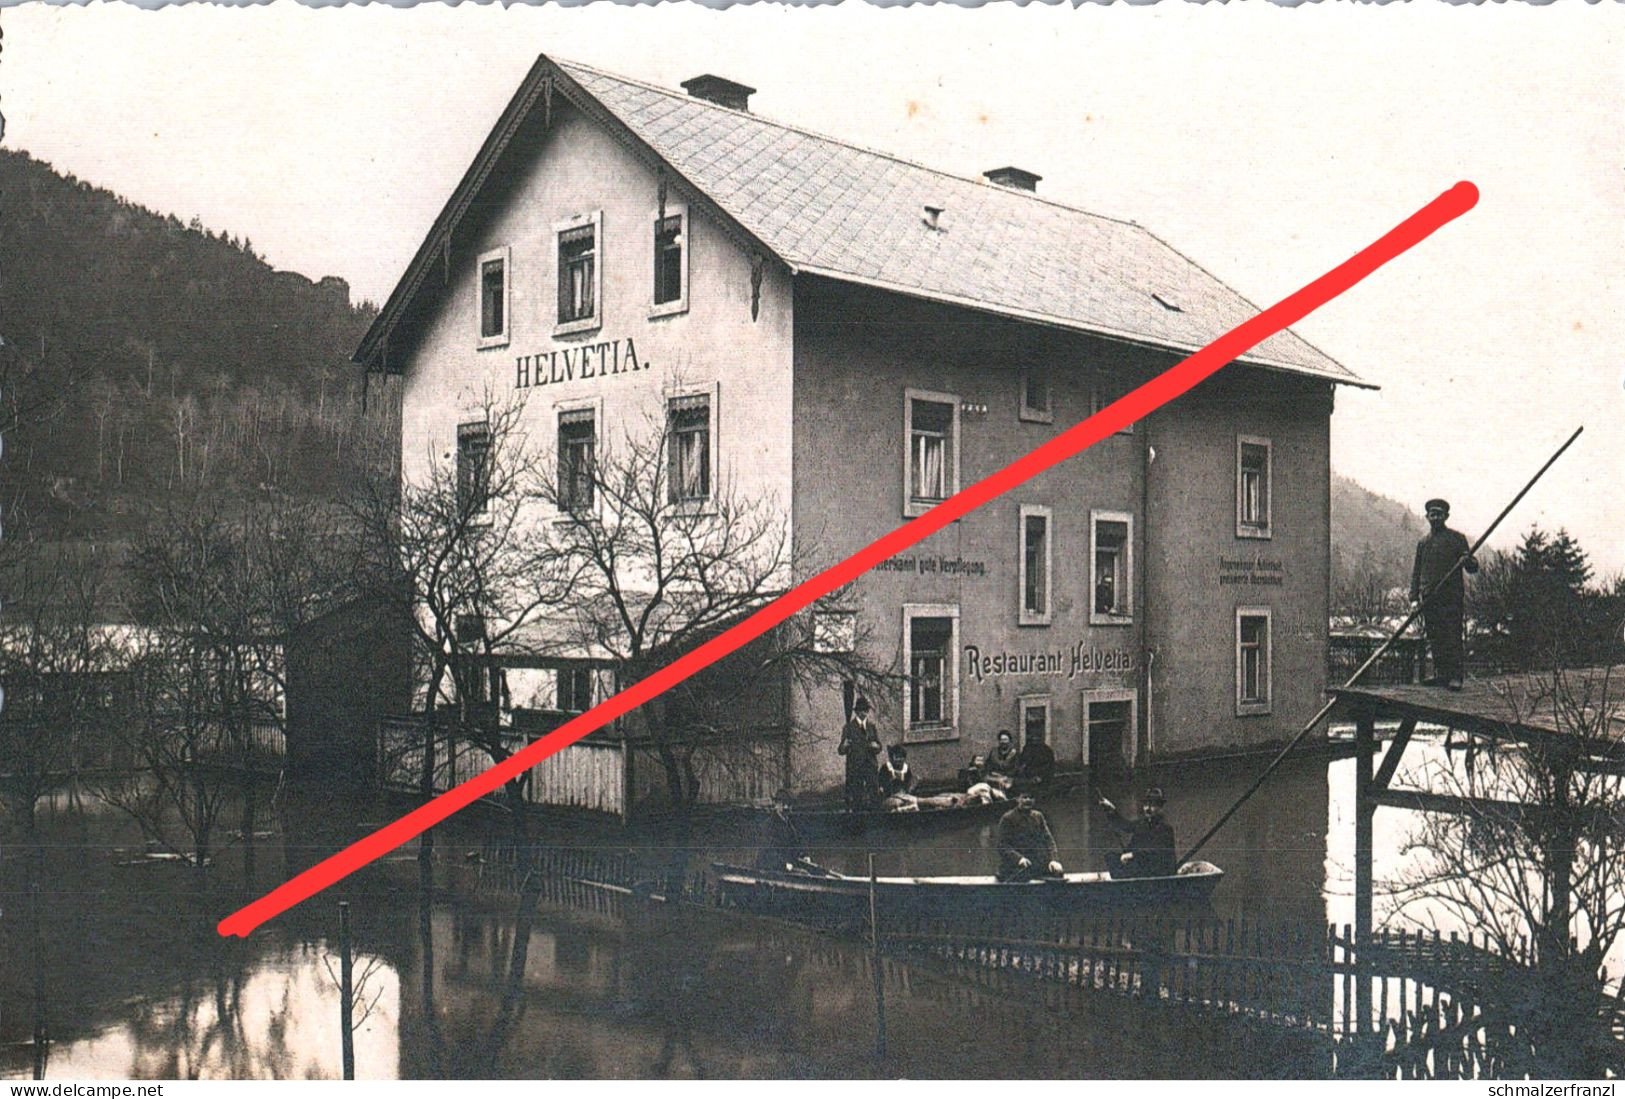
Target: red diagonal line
[(1108, 421)]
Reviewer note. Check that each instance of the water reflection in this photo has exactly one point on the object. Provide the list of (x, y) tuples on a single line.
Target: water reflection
[(479, 983)]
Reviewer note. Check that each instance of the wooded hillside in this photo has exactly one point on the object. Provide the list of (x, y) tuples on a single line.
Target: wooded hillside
[(143, 356)]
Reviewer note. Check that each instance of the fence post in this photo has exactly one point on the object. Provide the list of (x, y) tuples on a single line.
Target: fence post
[(880, 977)]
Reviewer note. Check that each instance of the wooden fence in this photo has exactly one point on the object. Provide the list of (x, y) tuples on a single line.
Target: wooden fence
[(729, 772), (1442, 1007), (586, 775), (610, 776), (1345, 652)]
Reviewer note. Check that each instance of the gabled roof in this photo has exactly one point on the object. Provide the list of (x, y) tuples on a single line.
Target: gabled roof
[(825, 207)]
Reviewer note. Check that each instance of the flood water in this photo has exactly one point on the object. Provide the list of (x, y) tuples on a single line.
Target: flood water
[(115, 961)]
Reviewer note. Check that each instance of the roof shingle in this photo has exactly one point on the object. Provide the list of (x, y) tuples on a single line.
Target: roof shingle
[(834, 209)]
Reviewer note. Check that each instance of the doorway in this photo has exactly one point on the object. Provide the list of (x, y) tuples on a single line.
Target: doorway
[(1108, 736)]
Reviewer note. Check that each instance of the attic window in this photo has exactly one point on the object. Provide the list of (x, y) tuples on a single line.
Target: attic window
[(493, 298), (1167, 303)]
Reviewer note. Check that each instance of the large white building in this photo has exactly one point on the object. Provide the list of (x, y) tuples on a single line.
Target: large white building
[(857, 336)]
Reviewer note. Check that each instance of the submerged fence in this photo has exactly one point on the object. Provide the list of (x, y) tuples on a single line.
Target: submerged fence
[(1441, 1007)]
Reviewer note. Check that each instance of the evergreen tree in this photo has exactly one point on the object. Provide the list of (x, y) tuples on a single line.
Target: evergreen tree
[(1568, 561)]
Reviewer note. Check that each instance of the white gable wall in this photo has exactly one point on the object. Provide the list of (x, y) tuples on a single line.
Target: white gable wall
[(581, 169)]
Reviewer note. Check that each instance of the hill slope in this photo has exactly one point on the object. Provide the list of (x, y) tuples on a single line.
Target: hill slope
[(142, 356), (1373, 543)]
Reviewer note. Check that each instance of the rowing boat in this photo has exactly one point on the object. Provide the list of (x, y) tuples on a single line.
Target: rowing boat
[(814, 893)]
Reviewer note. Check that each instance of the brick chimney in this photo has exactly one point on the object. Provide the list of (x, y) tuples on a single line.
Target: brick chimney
[(1017, 179), (721, 91)]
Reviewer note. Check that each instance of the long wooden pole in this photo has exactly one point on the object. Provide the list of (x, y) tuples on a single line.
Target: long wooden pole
[(346, 996), (1416, 613)]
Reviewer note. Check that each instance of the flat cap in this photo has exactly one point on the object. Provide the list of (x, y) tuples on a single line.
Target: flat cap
[(1437, 504)]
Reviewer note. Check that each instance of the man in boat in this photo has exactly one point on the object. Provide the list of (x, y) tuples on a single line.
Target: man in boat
[(1026, 845), (1442, 617), (860, 744), (1036, 764), (1149, 850), (782, 845)]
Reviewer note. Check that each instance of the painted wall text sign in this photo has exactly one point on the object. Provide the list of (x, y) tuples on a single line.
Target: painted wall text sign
[(929, 565), (1080, 659), (1251, 570), (590, 360)]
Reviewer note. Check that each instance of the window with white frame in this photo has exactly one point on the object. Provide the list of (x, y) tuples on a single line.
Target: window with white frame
[(1107, 388), (578, 447), (1034, 569), (1253, 660), (1111, 556), (493, 292), (1252, 487), (580, 274), (1032, 718), (1036, 397), (670, 261), (473, 468), (931, 466), (931, 656), (688, 448)]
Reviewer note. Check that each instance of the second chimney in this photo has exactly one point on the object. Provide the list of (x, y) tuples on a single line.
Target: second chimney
[(1017, 179), (721, 91)]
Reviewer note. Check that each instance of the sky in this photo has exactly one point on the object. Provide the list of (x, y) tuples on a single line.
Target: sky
[(1267, 143)]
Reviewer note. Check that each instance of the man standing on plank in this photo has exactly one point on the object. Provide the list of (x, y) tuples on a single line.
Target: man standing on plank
[(1442, 617)]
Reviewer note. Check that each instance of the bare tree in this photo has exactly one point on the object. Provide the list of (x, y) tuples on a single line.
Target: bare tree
[(664, 555), (57, 662), (184, 415), (1533, 859), (217, 589), (459, 552)]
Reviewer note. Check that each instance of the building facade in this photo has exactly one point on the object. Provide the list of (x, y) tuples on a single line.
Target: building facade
[(852, 338)]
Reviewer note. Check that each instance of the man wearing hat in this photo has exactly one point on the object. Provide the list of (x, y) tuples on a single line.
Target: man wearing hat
[(860, 744), (1149, 852), (1436, 556)]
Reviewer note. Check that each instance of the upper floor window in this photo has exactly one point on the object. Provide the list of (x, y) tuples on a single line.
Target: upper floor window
[(1036, 397), (1035, 565), (473, 468), (578, 442), (670, 261), (580, 274), (493, 290), (931, 469), (1112, 553), (688, 442), (1107, 388), (1252, 487), (1252, 661)]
